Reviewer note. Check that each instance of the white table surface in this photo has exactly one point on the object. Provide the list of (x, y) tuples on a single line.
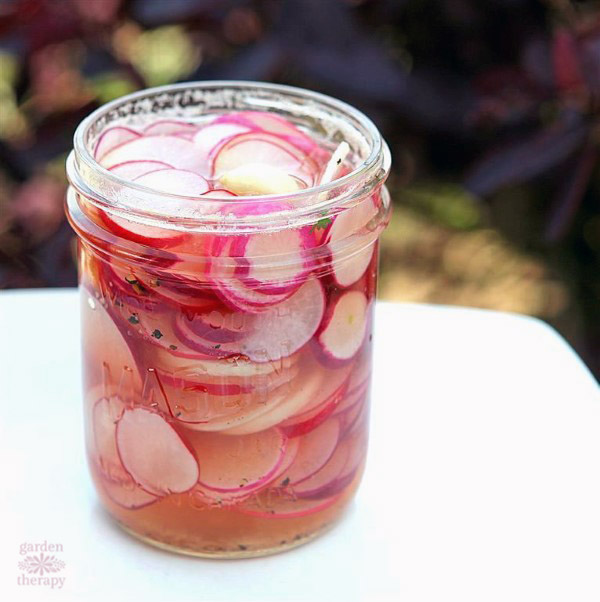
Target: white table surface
[(483, 479)]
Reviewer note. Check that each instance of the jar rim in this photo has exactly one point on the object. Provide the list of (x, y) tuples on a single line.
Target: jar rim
[(375, 165)]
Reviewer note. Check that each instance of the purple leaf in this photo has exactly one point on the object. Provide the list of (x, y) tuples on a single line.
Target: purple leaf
[(570, 193), (526, 159)]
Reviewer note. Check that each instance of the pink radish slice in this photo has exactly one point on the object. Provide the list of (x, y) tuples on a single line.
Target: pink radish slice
[(107, 354), (343, 329), (129, 170), (263, 148), (124, 295), (348, 269), (318, 484), (114, 479), (204, 411), (293, 243), (316, 448), (283, 506), (170, 126), (291, 450), (239, 297), (211, 136), (278, 331), (157, 238), (238, 463), (112, 138), (187, 295), (277, 125), (316, 387), (154, 454), (352, 399), (175, 151), (174, 181)]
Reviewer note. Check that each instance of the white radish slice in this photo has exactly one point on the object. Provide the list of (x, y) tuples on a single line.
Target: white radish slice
[(278, 331), (171, 126), (158, 238), (263, 148), (283, 506), (107, 354), (174, 150), (316, 448), (174, 181), (294, 243), (134, 169), (211, 136), (240, 297), (112, 138), (348, 268), (241, 464), (154, 454), (344, 326)]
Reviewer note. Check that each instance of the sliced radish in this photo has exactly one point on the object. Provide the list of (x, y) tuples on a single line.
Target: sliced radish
[(171, 126), (129, 170), (321, 406), (263, 148), (241, 464), (210, 137), (176, 151), (291, 450), (278, 331), (283, 505), (154, 454), (219, 193), (316, 448), (344, 326), (348, 267), (114, 479), (321, 482), (292, 244), (277, 125), (106, 351), (150, 236), (335, 164), (191, 296), (174, 181), (112, 138)]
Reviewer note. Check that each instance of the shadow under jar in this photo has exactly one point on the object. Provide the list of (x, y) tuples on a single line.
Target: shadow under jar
[(228, 245)]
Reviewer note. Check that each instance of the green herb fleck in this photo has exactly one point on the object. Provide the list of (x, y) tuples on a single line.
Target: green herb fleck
[(285, 482), (134, 319), (157, 334), (218, 346), (173, 347), (321, 224), (131, 279), (241, 546)]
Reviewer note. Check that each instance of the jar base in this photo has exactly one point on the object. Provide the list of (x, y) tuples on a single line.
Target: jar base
[(224, 554)]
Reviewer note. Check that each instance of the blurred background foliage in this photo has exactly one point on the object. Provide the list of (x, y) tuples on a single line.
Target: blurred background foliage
[(491, 108)]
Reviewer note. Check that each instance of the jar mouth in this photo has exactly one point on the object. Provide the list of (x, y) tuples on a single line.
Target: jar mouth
[(109, 190)]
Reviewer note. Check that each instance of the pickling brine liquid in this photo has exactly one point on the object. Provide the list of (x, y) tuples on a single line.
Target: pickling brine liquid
[(226, 374)]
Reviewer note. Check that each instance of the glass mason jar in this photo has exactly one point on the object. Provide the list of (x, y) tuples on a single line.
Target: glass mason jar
[(226, 394)]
